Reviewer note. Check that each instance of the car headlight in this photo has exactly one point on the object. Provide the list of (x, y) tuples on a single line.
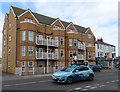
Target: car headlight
[(62, 75)]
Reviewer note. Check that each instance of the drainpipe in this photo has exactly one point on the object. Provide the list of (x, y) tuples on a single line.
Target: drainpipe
[(65, 49), (16, 37)]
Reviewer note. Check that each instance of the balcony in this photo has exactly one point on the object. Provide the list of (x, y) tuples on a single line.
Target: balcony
[(81, 47), (43, 55), (43, 42), (80, 57)]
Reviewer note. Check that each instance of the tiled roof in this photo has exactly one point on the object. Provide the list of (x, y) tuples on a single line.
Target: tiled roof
[(48, 20), (99, 42)]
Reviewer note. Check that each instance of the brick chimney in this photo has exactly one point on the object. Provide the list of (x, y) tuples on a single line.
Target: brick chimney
[(101, 40)]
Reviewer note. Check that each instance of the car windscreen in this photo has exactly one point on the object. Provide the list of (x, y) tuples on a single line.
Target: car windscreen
[(67, 69)]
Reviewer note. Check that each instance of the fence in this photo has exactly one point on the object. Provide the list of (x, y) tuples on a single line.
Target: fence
[(35, 70)]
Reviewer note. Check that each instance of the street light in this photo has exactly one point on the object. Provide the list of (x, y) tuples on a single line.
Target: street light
[(47, 55)]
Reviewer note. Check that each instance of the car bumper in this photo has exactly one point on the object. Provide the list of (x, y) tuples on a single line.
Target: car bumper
[(60, 79)]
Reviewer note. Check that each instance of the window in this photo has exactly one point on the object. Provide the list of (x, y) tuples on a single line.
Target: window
[(28, 20), (71, 31), (89, 44), (9, 38), (56, 65), (56, 53), (75, 52), (78, 43), (49, 65), (61, 52), (30, 50), (56, 40), (23, 50), (70, 42), (89, 36), (62, 40), (23, 35), (93, 54), (8, 64), (62, 65), (57, 27), (40, 37), (23, 66), (9, 25), (4, 42), (30, 66), (40, 64), (9, 51), (89, 54), (75, 42), (70, 54), (30, 36), (4, 32)]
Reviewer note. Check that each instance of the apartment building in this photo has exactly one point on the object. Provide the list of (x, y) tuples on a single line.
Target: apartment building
[(105, 53), (32, 41)]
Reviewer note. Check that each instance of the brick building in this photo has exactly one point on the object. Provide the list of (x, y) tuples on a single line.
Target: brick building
[(32, 41)]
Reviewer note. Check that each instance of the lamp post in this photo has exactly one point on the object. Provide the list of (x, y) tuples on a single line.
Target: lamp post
[(47, 55)]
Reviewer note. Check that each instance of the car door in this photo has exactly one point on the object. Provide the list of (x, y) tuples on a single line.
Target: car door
[(85, 72)]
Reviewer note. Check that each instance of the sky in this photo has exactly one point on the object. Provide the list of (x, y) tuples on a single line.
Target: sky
[(100, 15)]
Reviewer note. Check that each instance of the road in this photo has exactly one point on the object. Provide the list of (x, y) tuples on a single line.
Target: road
[(105, 80)]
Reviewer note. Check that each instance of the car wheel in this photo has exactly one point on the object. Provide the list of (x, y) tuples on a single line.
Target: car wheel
[(69, 80), (91, 77)]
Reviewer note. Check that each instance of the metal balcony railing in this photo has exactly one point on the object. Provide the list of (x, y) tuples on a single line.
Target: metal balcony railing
[(44, 42), (43, 55)]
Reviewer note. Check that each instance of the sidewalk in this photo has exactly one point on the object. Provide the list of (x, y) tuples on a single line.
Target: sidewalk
[(105, 70), (7, 76)]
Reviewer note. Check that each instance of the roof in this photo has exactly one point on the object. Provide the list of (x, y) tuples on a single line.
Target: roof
[(47, 20), (99, 42)]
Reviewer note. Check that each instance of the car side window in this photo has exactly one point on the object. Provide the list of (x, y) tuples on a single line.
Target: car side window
[(84, 68)]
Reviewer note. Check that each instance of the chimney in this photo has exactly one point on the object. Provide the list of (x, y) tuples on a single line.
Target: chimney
[(101, 40)]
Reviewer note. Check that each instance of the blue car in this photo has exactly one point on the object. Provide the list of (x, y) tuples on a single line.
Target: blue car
[(96, 68), (73, 73)]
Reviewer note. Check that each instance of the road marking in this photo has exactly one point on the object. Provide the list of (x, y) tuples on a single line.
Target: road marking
[(78, 88), (117, 80), (93, 87), (107, 82), (101, 85), (112, 81), (84, 89), (87, 86), (96, 84), (25, 83)]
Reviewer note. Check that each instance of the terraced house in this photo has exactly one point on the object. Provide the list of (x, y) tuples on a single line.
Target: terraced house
[(34, 43)]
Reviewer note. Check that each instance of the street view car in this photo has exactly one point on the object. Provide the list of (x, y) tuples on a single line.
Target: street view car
[(73, 73), (96, 68)]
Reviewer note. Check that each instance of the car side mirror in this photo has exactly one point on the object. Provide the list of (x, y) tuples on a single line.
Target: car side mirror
[(76, 71)]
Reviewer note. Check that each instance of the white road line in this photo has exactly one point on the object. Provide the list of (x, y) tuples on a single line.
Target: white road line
[(93, 87), (96, 84), (117, 80), (107, 82), (87, 86), (25, 83), (84, 89), (78, 88), (101, 85), (112, 81)]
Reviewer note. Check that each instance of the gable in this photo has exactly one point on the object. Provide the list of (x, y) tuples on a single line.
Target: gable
[(72, 27)]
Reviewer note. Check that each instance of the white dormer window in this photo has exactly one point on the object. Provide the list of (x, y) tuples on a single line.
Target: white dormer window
[(71, 31), (9, 38), (28, 20), (89, 36), (57, 27), (10, 25)]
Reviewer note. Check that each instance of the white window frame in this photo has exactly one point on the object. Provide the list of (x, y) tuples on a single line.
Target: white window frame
[(93, 54), (30, 66), (89, 54), (10, 25), (9, 38), (40, 64), (70, 42), (28, 20), (30, 36), (4, 42), (23, 66), (23, 35), (61, 40), (8, 64), (4, 32), (71, 31), (30, 50), (23, 50), (40, 37), (75, 42), (56, 65), (89, 44), (89, 36), (62, 50), (70, 53), (62, 64), (57, 27)]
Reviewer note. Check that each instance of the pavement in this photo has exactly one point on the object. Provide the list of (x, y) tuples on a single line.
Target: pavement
[(104, 80)]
